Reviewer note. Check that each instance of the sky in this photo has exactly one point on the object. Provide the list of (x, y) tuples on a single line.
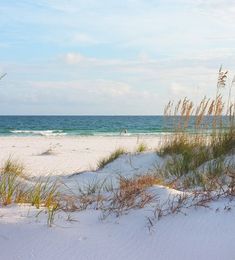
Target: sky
[(108, 57)]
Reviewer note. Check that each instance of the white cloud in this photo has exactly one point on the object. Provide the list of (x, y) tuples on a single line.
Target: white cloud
[(82, 38), (112, 52), (82, 97), (74, 58)]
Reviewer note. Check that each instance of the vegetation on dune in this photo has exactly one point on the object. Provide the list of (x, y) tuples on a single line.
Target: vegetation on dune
[(131, 194), (142, 147), (113, 156), (15, 189), (211, 138), (13, 167)]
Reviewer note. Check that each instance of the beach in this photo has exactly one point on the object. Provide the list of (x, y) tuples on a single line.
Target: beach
[(89, 232), (66, 155), (117, 130), (97, 217)]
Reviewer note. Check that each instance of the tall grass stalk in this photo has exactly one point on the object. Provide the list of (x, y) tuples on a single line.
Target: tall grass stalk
[(211, 134)]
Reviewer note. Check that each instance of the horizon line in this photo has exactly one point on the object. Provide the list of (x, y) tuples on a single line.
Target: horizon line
[(78, 115)]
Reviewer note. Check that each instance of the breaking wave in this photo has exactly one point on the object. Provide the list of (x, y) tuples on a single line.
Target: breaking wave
[(39, 132)]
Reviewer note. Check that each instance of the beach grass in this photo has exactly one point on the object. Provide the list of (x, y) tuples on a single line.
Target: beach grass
[(113, 156), (15, 187), (142, 147), (14, 167), (211, 139)]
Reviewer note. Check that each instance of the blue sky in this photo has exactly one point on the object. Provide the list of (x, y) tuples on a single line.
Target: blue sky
[(111, 57)]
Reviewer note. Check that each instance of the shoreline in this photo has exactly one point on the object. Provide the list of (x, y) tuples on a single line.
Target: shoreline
[(64, 134)]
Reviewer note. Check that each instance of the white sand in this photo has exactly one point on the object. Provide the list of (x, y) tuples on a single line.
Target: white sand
[(69, 154), (205, 234), (201, 233)]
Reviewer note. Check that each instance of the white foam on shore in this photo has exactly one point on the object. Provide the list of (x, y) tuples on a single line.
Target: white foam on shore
[(61, 133), (39, 132)]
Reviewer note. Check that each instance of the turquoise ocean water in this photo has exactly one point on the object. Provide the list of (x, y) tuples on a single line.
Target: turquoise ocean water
[(83, 125)]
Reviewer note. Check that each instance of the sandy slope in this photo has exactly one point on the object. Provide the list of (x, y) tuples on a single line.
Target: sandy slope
[(201, 234)]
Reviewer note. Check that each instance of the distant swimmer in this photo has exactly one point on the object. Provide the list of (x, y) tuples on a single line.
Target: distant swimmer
[(123, 131)]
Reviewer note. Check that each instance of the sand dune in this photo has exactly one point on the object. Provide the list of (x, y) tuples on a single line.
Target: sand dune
[(194, 233)]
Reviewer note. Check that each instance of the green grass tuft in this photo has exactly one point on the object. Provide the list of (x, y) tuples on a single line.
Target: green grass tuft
[(142, 148), (13, 167), (113, 156)]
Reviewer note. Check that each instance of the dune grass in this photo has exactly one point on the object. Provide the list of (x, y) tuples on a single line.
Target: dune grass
[(211, 138), (132, 194), (113, 156), (15, 189), (44, 194), (8, 187), (14, 167), (142, 147)]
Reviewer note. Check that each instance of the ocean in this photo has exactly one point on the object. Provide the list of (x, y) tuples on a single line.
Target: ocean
[(84, 125)]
